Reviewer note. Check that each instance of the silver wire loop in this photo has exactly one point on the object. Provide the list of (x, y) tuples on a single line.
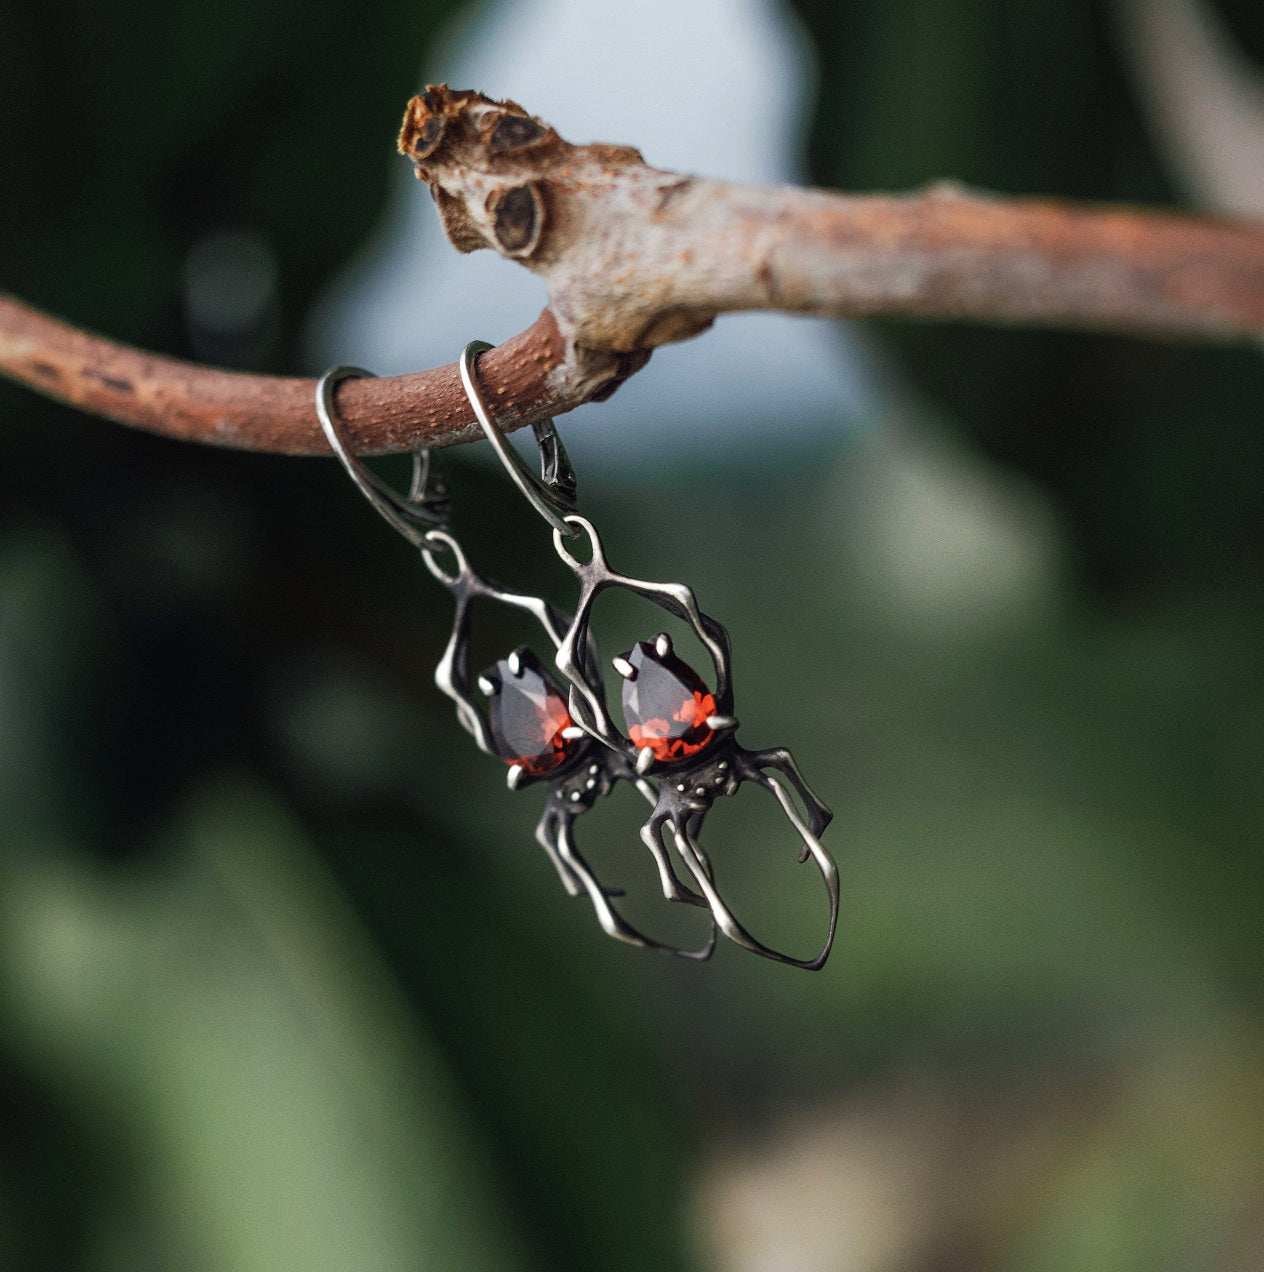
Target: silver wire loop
[(438, 541), (414, 515), (552, 494), (576, 527)]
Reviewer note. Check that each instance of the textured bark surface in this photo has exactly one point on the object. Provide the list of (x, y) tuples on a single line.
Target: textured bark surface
[(272, 413), (634, 257)]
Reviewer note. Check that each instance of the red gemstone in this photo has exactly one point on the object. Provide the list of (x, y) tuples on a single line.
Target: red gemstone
[(526, 715), (666, 705)]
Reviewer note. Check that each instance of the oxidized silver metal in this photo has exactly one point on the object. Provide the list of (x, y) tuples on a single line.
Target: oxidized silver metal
[(573, 789), (688, 788), (424, 508), (593, 771), (552, 494)]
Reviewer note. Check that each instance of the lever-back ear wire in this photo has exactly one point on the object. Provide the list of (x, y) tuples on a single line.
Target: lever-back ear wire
[(423, 509), (552, 494)]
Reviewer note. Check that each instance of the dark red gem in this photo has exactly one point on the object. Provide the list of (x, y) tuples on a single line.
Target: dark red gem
[(666, 705), (526, 715)]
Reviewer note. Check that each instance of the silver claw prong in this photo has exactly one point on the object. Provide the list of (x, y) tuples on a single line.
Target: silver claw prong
[(514, 777), (644, 758), (662, 645), (572, 732), (515, 663), (721, 723), (623, 667), (487, 686)]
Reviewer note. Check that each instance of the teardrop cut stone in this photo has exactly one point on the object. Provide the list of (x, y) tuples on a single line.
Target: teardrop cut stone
[(526, 715), (666, 705)]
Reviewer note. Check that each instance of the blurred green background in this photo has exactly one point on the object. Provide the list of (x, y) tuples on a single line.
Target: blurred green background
[(284, 982)]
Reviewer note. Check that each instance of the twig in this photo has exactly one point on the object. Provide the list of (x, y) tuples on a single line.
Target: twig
[(272, 413), (635, 257)]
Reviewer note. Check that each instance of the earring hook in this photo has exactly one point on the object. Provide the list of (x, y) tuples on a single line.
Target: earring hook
[(414, 515), (552, 494)]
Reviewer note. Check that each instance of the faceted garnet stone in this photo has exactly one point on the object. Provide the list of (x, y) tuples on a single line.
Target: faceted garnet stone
[(526, 715), (666, 705)]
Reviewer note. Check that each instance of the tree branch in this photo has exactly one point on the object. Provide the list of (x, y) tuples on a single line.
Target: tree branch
[(635, 257), (273, 413)]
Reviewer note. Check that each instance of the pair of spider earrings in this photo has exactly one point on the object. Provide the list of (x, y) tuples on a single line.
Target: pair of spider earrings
[(680, 748)]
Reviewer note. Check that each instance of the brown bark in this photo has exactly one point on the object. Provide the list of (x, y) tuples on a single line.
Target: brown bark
[(271, 413)]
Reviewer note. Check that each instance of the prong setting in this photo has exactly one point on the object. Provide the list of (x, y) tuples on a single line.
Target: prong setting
[(488, 686), (721, 723), (623, 667), (513, 778), (644, 759), (663, 645)]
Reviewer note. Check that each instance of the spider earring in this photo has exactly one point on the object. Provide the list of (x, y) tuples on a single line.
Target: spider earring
[(679, 733), (515, 710)]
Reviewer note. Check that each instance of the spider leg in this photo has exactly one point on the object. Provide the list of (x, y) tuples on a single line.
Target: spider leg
[(652, 838), (611, 922), (811, 847), (725, 919), (814, 811), (547, 832), (694, 825)]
